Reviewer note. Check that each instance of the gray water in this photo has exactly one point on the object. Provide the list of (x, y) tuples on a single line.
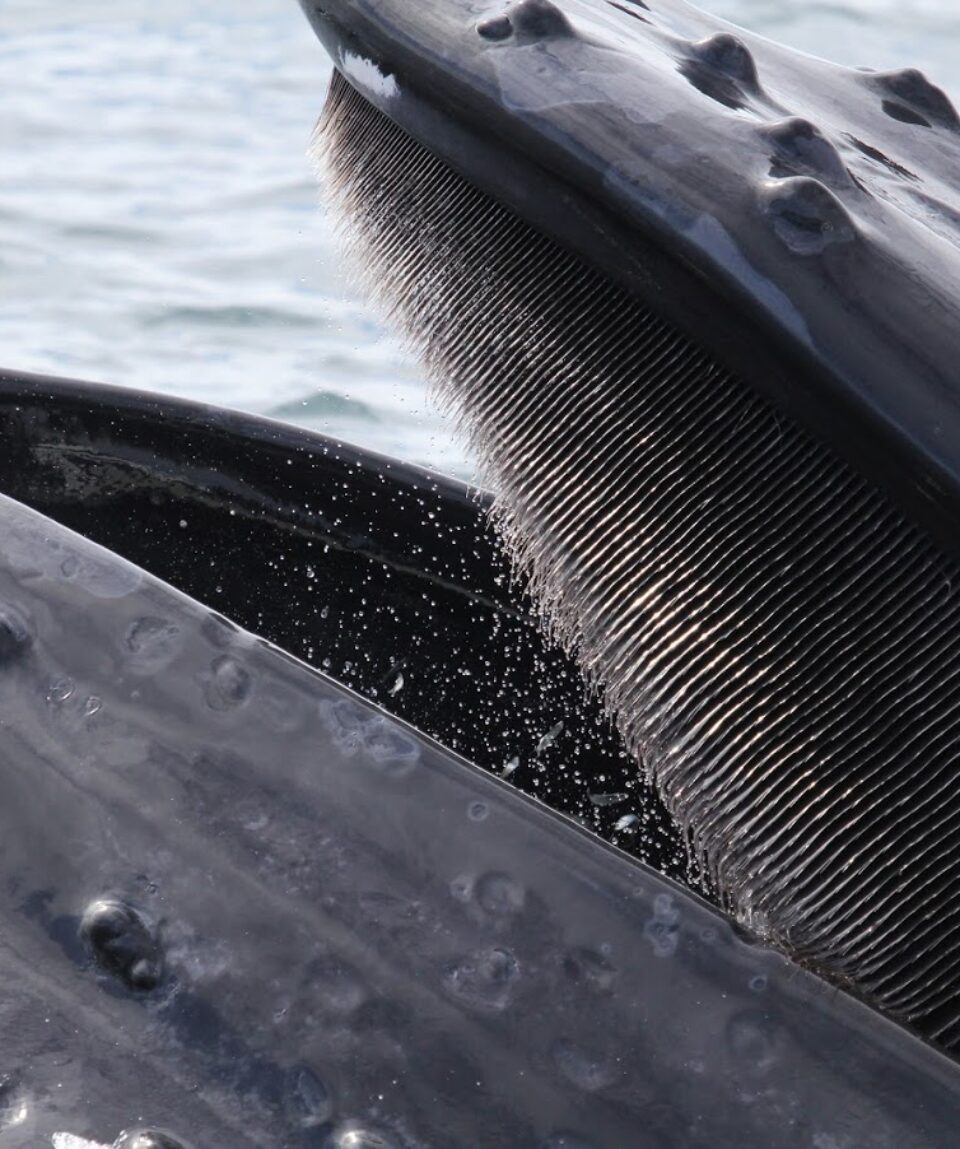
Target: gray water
[(160, 225)]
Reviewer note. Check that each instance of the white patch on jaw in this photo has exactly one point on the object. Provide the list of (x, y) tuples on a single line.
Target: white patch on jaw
[(69, 1141), (365, 74)]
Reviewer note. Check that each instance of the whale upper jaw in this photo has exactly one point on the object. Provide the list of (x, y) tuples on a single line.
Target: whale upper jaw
[(797, 218)]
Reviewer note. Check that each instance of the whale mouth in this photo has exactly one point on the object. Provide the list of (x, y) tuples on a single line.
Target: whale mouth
[(774, 631)]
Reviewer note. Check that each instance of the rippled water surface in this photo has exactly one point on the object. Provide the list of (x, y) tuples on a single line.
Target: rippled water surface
[(159, 223)]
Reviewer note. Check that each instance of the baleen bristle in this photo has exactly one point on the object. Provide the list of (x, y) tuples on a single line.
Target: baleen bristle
[(777, 644)]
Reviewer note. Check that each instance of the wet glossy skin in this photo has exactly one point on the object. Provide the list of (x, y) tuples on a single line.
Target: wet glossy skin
[(383, 574), (798, 219), (242, 907)]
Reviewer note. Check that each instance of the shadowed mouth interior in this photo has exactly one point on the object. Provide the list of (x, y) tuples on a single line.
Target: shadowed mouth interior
[(777, 644)]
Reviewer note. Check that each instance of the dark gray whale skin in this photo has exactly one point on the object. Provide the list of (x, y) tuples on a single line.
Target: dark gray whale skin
[(799, 220), (243, 906), (364, 566)]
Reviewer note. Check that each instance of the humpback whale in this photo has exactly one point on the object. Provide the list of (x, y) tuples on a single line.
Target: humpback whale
[(244, 903), (695, 299)]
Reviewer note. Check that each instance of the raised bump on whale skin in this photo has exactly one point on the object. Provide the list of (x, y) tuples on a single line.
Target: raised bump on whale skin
[(800, 148), (915, 99), (722, 67), (528, 20), (806, 215), (727, 54), (122, 943)]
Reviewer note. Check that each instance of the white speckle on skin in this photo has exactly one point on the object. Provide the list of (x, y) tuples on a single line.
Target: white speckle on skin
[(69, 1141), (365, 75)]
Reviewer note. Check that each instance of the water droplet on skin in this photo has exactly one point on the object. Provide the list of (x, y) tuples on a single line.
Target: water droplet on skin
[(122, 944), (758, 983), (60, 689), (477, 811), (357, 1135), (92, 706)]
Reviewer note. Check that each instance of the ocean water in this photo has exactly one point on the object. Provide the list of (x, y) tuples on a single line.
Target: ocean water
[(160, 224)]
